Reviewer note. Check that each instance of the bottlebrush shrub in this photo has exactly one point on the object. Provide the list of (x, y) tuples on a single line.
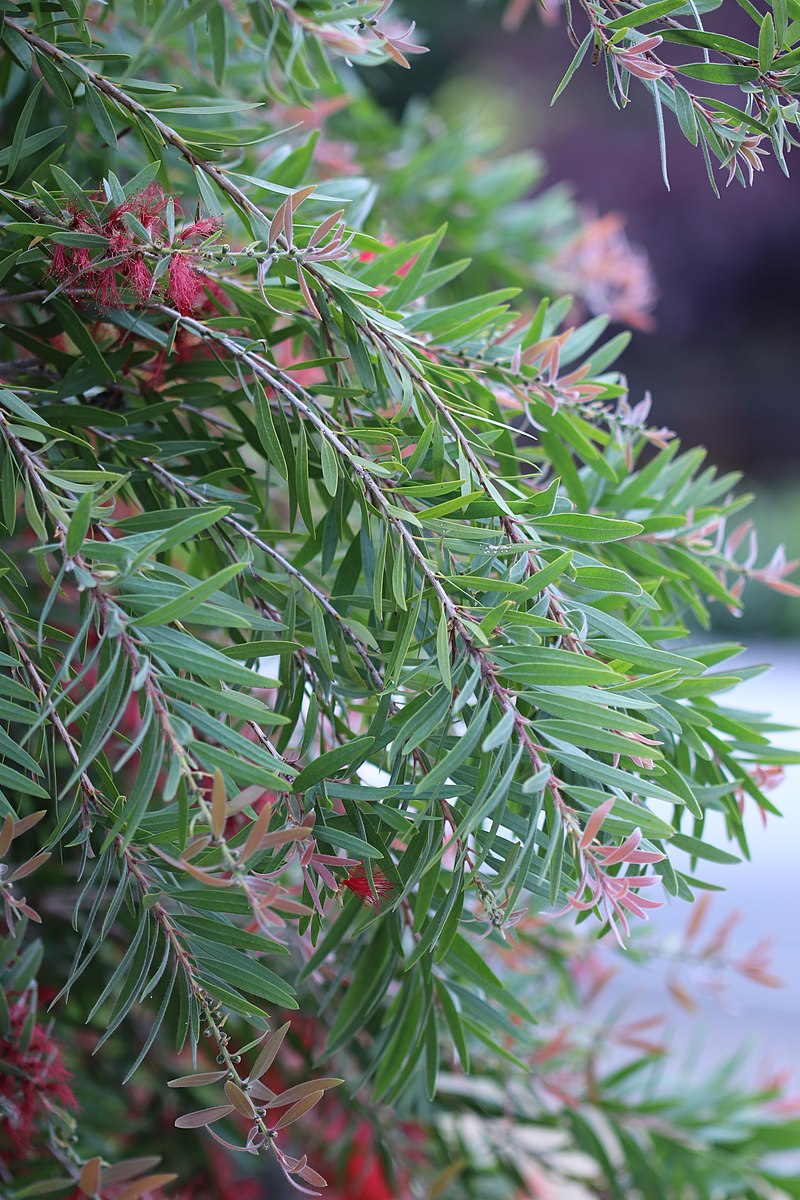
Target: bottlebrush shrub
[(346, 602)]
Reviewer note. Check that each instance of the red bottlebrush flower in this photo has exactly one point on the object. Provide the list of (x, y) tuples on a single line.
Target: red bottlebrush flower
[(378, 897), (60, 262), (140, 278), (124, 264), (200, 230), (125, 259), (72, 267), (104, 284), (148, 208), (406, 267), (368, 256), (34, 1083), (120, 241), (185, 285)]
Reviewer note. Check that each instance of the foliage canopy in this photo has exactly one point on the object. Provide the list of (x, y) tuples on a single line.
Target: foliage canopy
[(345, 614)]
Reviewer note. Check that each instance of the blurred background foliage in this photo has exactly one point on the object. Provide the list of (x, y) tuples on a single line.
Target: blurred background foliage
[(720, 360)]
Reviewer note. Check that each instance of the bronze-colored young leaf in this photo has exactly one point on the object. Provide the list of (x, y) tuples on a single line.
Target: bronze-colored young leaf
[(299, 1110), (311, 1176), (128, 1168), (284, 837), (204, 1116), (89, 1178), (143, 1187), (196, 872), (30, 866), (199, 1079), (303, 1089), (218, 803), (240, 1100), (196, 846), (6, 834), (256, 834), (269, 1050), (29, 822)]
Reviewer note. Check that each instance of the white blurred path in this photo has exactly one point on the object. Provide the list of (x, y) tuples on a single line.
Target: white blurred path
[(764, 1022)]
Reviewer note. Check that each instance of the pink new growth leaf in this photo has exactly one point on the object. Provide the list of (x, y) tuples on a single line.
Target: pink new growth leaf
[(595, 821), (615, 895)]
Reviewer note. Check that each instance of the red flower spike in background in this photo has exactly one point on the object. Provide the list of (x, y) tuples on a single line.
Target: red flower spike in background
[(378, 897), (34, 1084), (364, 1178)]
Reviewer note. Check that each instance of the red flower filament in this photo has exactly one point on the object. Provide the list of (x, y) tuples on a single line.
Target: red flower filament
[(379, 895)]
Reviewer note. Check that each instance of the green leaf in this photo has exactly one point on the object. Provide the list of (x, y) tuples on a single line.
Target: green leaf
[(330, 467), (237, 704), (643, 16), (18, 141), (179, 525), (684, 109), (181, 606), (334, 762), (79, 524), (443, 650), (99, 114), (267, 431), (581, 527), (186, 653), (766, 44), (232, 967), (20, 783), (212, 929), (454, 1024), (156, 1022), (607, 579), (706, 850), (580, 54), (711, 41), (459, 753), (781, 11), (365, 991), (718, 72), (500, 733), (655, 88)]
